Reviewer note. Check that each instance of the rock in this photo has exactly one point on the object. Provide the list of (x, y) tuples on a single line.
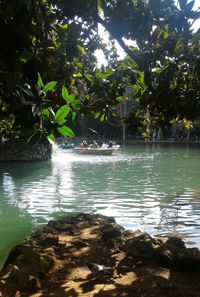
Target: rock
[(80, 244), (141, 246), (51, 230), (176, 243), (28, 282), (164, 255), (62, 226), (48, 239), (110, 231), (167, 252), (55, 264), (188, 259), (16, 149)]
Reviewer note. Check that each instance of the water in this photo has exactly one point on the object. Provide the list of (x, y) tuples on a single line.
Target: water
[(151, 187)]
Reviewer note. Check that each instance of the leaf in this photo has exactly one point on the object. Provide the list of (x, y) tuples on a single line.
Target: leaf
[(81, 49), (192, 14), (102, 119), (99, 6), (98, 74), (61, 114), (40, 82), (51, 137), (89, 78), (50, 86), (46, 113), (190, 5), (73, 116), (120, 98), (71, 98), (65, 93), (79, 74), (96, 115), (65, 26), (66, 131), (182, 4), (76, 101)]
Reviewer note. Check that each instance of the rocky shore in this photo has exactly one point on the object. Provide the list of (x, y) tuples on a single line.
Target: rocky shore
[(90, 255)]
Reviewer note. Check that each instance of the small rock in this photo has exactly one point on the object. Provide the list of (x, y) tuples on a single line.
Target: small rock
[(111, 233)]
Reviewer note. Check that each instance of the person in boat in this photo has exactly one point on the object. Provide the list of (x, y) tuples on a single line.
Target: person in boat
[(84, 144), (95, 144), (104, 145), (66, 142), (110, 144)]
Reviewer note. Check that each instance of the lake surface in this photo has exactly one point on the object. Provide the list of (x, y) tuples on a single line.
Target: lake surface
[(155, 188)]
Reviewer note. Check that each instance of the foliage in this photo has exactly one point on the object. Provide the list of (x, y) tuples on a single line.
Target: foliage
[(54, 41), (37, 38)]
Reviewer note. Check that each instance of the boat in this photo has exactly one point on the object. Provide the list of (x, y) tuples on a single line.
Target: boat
[(94, 151), (67, 146)]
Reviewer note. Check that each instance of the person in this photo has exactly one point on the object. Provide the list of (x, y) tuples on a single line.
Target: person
[(104, 145), (95, 144), (84, 144), (110, 144)]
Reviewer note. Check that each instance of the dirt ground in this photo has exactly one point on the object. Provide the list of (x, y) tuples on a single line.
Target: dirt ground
[(55, 262)]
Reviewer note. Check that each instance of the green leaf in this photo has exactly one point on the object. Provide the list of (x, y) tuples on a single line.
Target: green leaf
[(71, 98), (79, 74), (81, 49), (40, 82), (120, 98), (73, 116), (50, 86), (66, 131), (76, 101), (89, 78), (23, 60), (96, 115), (46, 113), (99, 6), (102, 119), (98, 74), (65, 26), (65, 93), (166, 30), (51, 137), (61, 114)]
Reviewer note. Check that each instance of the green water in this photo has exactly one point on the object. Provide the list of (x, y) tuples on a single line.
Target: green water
[(151, 187)]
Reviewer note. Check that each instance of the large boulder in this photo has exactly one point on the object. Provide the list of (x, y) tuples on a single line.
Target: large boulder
[(21, 150)]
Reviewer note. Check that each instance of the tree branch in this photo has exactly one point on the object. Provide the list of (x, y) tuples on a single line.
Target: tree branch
[(138, 59)]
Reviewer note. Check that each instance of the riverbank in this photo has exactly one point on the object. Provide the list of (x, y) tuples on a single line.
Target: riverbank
[(58, 261)]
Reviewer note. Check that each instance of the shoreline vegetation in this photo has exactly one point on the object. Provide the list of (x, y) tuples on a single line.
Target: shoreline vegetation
[(78, 140), (91, 255)]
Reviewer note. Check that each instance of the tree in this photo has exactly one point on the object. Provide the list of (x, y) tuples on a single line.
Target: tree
[(41, 52), (57, 39)]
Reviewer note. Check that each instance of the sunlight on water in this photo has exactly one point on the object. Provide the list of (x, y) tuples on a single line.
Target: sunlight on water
[(153, 188)]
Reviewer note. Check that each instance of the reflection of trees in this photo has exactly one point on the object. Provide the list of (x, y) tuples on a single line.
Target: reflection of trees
[(15, 175)]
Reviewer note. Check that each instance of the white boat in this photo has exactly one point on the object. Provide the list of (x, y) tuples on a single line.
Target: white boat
[(94, 151)]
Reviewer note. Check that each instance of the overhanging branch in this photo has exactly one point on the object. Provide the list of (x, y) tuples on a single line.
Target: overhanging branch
[(139, 60)]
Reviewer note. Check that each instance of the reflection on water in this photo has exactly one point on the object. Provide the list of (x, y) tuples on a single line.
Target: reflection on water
[(153, 188)]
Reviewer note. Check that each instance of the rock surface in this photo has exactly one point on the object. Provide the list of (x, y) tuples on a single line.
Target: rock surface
[(90, 255), (21, 150)]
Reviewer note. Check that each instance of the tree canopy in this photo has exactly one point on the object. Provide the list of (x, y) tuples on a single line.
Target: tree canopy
[(49, 72)]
